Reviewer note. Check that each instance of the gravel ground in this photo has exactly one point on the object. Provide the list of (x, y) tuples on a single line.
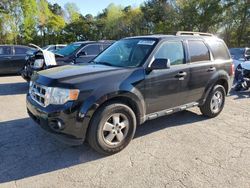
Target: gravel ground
[(180, 150)]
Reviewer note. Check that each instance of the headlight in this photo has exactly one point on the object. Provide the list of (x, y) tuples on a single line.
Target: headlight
[(38, 63), (59, 96), (45, 96)]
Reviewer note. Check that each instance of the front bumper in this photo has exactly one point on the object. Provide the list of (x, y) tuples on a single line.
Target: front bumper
[(61, 121)]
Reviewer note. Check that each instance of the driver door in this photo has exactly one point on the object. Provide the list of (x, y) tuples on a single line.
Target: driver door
[(167, 88)]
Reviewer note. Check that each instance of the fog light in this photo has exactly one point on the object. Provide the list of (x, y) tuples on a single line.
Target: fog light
[(57, 125)]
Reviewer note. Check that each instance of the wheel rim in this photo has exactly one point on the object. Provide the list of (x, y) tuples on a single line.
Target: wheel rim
[(216, 102), (115, 129)]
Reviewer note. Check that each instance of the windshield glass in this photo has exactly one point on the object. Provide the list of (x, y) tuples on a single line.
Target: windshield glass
[(68, 50), (126, 53), (45, 47), (237, 53)]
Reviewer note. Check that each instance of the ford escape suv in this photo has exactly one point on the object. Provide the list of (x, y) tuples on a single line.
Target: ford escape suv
[(134, 80)]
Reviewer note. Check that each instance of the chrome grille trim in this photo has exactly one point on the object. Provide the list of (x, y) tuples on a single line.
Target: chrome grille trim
[(38, 93)]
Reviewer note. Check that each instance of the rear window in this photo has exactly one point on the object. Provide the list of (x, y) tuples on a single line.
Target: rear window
[(219, 50), (198, 51)]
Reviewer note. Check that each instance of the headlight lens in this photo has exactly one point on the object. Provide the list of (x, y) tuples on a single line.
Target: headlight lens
[(38, 63), (50, 95), (59, 96)]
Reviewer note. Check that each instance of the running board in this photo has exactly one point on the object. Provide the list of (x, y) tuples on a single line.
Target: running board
[(171, 111)]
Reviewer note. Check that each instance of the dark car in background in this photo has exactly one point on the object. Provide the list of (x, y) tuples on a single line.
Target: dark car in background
[(239, 55), (74, 53), (12, 58)]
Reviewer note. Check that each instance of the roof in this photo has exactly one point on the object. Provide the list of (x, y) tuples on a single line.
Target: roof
[(183, 37), (89, 42)]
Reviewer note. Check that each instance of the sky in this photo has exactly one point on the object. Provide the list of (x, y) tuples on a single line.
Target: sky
[(96, 6)]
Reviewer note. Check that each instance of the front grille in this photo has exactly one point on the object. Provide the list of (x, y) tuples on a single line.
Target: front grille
[(38, 93)]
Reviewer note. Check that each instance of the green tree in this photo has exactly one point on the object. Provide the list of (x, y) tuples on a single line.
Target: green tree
[(30, 15), (200, 15), (72, 12), (43, 19), (159, 16)]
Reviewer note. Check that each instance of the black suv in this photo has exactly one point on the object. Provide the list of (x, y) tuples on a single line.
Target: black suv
[(134, 80), (77, 52), (12, 58)]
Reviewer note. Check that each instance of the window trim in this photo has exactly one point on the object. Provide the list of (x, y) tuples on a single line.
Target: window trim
[(211, 58)]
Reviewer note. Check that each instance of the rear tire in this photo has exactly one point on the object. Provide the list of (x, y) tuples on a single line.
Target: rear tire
[(215, 102), (112, 128)]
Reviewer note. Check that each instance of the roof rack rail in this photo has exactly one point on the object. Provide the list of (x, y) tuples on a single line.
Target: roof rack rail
[(179, 33)]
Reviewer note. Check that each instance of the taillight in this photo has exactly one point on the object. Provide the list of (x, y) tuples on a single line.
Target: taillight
[(232, 69)]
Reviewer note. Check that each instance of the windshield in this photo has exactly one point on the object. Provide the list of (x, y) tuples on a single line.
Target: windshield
[(46, 47), (237, 53), (68, 50), (126, 53)]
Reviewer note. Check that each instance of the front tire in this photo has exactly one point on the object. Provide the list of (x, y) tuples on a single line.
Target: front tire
[(215, 102), (112, 128)]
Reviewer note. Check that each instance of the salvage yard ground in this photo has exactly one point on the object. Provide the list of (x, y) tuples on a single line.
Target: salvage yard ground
[(180, 150)]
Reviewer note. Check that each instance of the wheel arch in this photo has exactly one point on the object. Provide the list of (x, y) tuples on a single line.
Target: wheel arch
[(219, 79), (91, 105)]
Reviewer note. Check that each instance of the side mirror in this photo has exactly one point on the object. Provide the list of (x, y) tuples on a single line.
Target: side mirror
[(159, 64), (82, 53)]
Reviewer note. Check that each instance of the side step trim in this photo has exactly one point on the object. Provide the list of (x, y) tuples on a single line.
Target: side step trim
[(170, 111)]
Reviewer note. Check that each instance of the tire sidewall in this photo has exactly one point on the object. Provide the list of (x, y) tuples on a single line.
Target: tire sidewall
[(222, 90), (103, 117)]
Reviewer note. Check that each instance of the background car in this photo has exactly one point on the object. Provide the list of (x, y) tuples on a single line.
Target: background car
[(53, 48), (12, 58), (81, 52), (74, 53), (239, 55)]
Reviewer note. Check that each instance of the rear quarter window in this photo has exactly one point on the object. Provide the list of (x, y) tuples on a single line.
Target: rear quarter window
[(198, 51), (219, 50)]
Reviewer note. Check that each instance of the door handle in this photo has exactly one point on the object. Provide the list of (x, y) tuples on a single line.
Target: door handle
[(211, 69), (7, 57), (181, 74)]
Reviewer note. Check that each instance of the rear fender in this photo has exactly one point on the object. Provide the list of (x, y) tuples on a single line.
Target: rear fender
[(218, 77)]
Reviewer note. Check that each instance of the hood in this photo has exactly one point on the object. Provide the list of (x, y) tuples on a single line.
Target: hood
[(73, 74)]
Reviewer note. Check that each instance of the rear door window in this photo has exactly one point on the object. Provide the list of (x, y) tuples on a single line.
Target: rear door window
[(172, 51), (20, 50), (198, 51), (5, 50)]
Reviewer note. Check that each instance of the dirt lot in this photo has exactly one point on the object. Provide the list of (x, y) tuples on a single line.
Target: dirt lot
[(181, 150)]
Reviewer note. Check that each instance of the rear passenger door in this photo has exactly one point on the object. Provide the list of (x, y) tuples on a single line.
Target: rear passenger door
[(6, 55), (91, 51), (202, 68), (18, 60)]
